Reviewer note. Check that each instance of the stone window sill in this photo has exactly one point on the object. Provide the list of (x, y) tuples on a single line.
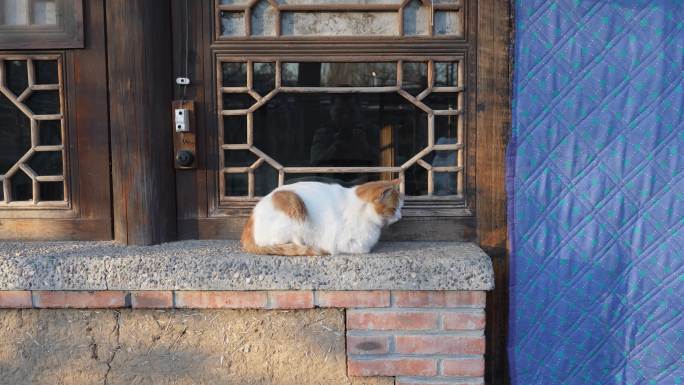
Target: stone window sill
[(221, 265)]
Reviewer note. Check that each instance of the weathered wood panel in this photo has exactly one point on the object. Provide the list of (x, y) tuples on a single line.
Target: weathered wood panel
[(493, 125), (140, 94)]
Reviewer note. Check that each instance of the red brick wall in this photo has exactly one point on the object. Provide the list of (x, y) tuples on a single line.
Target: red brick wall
[(419, 337)]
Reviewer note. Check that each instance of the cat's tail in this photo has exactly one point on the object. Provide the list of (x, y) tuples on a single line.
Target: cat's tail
[(289, 249)]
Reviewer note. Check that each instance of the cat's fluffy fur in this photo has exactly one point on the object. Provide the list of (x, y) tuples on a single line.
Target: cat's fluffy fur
[(312, 218)]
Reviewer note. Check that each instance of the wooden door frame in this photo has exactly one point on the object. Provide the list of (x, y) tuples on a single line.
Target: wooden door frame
[(88, 216)]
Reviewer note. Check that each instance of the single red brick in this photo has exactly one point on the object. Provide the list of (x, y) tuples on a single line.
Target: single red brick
[(464, 321), (418, 298), (220, 299), (392, 367), (466, 299), (439, 344), (152, 299), (290, 299), (455, 382), (439, 298), (466, 367), (15, 299), (79, 299), (352, 299), (390, 320), (367, 344)]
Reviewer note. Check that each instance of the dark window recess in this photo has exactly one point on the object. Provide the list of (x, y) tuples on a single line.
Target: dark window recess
[(15, 134)]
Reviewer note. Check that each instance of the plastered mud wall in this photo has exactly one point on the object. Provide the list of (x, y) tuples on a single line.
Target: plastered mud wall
[(175, 347)]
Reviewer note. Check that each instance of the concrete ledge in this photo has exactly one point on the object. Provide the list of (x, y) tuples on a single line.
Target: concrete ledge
[(221, 265)]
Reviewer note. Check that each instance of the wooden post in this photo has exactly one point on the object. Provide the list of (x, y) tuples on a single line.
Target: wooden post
[(140, 94), (493, 126)]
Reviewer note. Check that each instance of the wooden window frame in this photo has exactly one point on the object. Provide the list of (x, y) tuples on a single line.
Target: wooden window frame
[(279, 9), (22, 163), (69, 34), (424, 219), (88, 214)]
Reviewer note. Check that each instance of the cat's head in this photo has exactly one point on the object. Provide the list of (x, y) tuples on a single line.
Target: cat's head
[(385, 197)]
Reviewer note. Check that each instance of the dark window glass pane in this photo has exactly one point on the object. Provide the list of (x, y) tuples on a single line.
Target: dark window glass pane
[(15, 134), (344, 179), (415, 77), (44, 102), (445, 129), (264, 78), (239, 158), (22, 187), (339, 74), (50, 132), (237, 101), (442, 158), (235, 129), (47, 163), (51, 191), (445, 183), (416, 181), (446, 74), (323, 129), (234, 74), (265, 180), (16, 76), (232, 23), (442, 101), (46, 71), (236, 184)]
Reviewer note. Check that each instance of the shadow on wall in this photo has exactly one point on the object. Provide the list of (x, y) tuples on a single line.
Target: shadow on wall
[(47, 347)]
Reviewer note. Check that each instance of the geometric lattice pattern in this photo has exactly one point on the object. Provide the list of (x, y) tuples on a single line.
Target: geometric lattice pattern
[(452, 149), (283, 18), (596, 183), (31, 90)]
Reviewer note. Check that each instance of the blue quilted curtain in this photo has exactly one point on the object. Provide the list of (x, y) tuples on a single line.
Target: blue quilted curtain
[(596, 189)]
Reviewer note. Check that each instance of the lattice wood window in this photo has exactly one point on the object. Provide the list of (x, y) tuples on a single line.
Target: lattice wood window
[(38, 24), (32, 132), (311, 18), (284, 120)]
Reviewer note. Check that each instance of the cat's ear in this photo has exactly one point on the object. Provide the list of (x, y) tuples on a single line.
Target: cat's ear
[(386, 194)]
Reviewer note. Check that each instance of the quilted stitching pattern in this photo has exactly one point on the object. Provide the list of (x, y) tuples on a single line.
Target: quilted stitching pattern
[(596, 186)]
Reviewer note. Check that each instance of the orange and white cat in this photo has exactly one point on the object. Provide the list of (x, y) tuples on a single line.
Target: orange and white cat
[(313, 218)]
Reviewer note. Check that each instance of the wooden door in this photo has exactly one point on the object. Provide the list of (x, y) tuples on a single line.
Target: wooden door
[(54, 132)]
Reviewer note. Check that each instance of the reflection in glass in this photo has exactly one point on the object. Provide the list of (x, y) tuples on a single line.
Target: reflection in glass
[(340, 130), (46, 163), (264, 78), (265, 180), (29, 12), (51, 191), (22, 187), (339, 74), (44, 102), (416, 19), (15, 134), (446, 74), (236, 184), (235, 129), (232, 23), (263, 19), (415, 77), (237, 101), (46, 71), (16, 76), (239, 158), (234, 74)]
